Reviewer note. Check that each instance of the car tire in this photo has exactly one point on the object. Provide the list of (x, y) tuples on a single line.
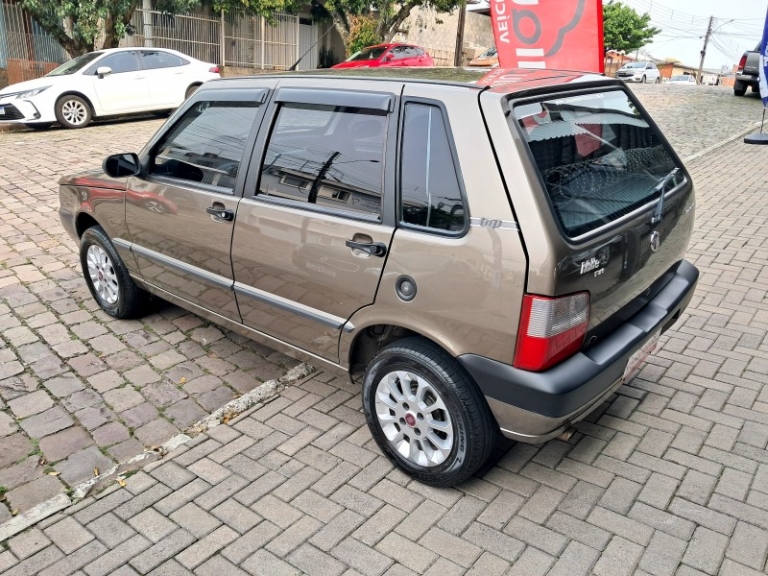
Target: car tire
[(444, 445), (739, 88), (658, 80), (642, 80), (107, 277), (73, 111), (191, 90)]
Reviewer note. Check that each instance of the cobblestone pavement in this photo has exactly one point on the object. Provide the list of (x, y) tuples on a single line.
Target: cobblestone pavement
[(696, 118), (669, 476), (78, 389)]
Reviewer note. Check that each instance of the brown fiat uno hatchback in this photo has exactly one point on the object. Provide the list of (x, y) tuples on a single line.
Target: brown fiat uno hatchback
[(485, 252)]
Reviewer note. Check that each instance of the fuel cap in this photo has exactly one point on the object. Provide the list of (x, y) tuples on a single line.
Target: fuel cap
[(405, 288)]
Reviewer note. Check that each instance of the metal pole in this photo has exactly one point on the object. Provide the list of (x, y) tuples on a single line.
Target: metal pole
[(704, 49), (459, 50), (263, 39), (146, 7), (763, 121), (222, 42)]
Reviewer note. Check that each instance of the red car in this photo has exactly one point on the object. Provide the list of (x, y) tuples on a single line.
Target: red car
[(388, 55)]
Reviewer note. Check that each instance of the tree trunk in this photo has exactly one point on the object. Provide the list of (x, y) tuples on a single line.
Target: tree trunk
[(341, 25), (392, 27), (111, 36)]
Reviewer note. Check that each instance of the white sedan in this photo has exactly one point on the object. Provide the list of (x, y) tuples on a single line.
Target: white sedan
[(105, 83)]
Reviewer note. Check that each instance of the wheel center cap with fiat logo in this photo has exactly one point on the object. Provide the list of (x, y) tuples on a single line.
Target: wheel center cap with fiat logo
[(410, 419)]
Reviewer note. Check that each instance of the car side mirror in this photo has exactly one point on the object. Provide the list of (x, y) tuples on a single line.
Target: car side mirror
[(122, 165), (102, 71), (389, 57)]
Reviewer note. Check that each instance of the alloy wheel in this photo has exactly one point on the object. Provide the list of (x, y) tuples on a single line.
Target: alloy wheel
[(74, 112), (102, 274), (414, 418)]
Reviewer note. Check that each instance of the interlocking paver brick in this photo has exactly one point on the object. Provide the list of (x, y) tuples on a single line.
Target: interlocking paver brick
[(111, 530), (68, 535), (205, 548), (262, 562), (407, 553), (619, 558), (28, 543), (166, 548), (75, 560), (152, 525), (195, 520), (117, 556)]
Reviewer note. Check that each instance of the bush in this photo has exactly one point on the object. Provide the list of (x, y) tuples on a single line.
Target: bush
[(362, 33)]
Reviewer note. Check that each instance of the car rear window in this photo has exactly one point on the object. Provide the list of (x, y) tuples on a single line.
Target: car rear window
[(598, 156)]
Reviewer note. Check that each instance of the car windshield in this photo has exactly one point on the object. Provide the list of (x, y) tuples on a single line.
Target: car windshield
[(598, 156), (75, 64), (373, 53), (680, 79), (490, 53), (635, 65)]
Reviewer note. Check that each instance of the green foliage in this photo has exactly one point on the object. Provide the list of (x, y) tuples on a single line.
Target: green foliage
[(96, 24), (363, 31), (388, 14), (625, 29)]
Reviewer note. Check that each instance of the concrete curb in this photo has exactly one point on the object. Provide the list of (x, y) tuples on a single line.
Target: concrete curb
[(229, 411), (722, 143)]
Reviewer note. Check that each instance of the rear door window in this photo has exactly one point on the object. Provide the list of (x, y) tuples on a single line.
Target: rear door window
[(598, 156), (329, 156)]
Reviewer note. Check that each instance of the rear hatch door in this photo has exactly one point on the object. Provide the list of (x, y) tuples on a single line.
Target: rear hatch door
[(597, 167)]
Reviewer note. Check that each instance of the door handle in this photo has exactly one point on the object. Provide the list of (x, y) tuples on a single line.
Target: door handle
[(372, 248), (221, 213)]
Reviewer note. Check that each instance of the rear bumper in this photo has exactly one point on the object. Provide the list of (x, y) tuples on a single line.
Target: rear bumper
[(747, 79), (537, 406)]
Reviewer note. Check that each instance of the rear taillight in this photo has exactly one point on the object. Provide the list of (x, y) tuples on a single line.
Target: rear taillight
[(551, 330), (214, 69), (742, 63)]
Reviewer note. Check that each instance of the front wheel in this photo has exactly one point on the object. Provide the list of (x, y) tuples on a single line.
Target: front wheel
[(426, 414), (73, 111), (658, 80), (642, 80), (107, 277)]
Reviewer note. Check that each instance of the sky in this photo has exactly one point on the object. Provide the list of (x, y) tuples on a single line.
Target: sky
[(738, 26)]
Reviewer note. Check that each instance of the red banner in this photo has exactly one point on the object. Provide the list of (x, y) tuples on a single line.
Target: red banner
[(555, 34)]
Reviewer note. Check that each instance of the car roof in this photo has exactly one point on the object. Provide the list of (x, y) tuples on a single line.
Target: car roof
[(142, 48), (502, 80)]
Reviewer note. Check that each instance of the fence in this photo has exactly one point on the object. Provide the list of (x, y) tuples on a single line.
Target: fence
[(244, 44), (26, 51), (247, 43)]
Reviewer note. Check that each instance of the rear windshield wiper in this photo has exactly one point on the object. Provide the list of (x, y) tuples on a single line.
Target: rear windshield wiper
[(656, 218)]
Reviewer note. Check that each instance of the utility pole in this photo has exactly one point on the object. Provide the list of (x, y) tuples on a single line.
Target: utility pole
[(704, 49)]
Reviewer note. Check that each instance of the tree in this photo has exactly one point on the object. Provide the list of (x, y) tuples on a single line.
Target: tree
[(387, 16), (82, 26), (625, 29)]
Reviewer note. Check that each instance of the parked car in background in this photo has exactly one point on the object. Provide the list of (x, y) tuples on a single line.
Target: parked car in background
[(488, 59), (682, 80), (110, 82), (747, 75), (365, 225), (388, 55), (639, 72)]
